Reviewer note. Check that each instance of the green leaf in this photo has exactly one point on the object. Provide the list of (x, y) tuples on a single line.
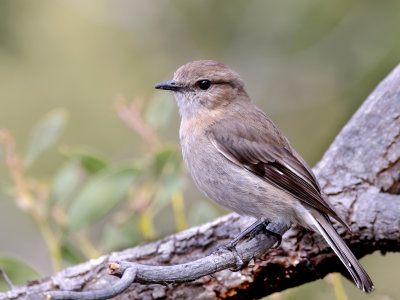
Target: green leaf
[(45, 134), (89, 161), (71, 254), (100, 194), (166, 160), (167, 176), (121, 236), (159, 110), (66, 183), (169, 185), (18, 272)]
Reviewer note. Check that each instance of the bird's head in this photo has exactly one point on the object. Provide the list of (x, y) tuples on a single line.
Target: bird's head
[(204, 86)]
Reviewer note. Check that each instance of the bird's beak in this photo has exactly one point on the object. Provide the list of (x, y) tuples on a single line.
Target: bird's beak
[(170, 85)]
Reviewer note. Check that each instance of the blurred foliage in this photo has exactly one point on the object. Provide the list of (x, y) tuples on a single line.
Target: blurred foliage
[(89, 186), (86, 188), (17, 272)]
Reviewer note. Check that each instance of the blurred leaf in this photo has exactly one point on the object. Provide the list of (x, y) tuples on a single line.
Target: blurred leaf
[(159, 110), (336, 280), (65, 183), (71, 254), (89, 161), (17, 271), (86, 245), (178, 206), (169, 179), (160, 159), (168, 186), (163, 157), (146, 225), (202, 211), (100, 194), (45, 134), (121, 236)]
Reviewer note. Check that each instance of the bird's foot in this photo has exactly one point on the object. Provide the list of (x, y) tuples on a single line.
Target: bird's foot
[(231, 247), (254, 230), (277, 235), (251, 232)]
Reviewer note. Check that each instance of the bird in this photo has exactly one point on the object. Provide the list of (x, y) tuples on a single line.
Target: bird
[(240, 159)]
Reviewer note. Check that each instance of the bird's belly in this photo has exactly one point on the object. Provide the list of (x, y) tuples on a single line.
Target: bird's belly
[(238, 189)]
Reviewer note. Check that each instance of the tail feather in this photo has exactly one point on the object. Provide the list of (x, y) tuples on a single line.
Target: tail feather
[(357, 272)]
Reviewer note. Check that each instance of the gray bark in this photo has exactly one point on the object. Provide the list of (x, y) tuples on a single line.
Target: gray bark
[(360, 174)]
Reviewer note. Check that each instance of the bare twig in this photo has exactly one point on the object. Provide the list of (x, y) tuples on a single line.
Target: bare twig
[(220, 260), (131, 116), (26, 199), (126, 280), (5, 277)]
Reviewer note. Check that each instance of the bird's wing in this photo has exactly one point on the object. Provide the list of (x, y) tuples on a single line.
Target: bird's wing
[(274, 162)]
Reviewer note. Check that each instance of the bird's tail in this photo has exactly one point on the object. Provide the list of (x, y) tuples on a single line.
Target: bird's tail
[(357, 272)]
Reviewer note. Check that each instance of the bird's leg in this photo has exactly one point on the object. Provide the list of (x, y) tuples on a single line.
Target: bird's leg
[(277, 235), (252, 230), (231, 246)]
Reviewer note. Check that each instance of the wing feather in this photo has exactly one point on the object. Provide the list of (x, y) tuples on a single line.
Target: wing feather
[(276, 164)]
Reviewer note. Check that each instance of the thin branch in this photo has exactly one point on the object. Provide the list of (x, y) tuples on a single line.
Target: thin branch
[(126, 280), (5, 277), (131, 116), (218, 261)]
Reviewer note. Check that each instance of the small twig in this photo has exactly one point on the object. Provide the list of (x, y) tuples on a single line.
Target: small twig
[(121, 285), (131, 116), (26, 200), (217, 261), (5, 277)]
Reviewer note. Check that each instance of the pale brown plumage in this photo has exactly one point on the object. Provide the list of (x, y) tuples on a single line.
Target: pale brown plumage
[(240, 159), (272, 160)]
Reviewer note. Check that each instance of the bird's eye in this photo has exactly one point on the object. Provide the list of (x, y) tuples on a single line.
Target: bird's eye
[(204, 84)]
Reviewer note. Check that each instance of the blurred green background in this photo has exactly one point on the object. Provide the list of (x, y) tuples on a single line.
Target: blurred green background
[(81, 182)]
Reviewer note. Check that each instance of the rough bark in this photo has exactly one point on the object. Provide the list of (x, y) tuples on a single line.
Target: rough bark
[(360, 173)]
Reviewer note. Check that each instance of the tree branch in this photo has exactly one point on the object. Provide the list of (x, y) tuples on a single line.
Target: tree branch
[(360, 173)]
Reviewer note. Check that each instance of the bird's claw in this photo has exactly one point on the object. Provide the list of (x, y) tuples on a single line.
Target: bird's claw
[(231, 247), (278, 236)]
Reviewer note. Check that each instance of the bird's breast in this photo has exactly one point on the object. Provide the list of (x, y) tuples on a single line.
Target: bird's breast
[(228, 184)]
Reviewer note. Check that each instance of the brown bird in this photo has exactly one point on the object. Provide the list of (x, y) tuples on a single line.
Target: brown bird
[(240, 159)]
